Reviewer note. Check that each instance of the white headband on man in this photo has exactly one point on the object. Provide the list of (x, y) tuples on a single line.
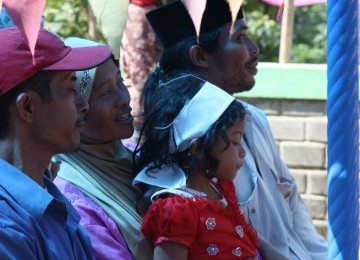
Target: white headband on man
[(197, 116)]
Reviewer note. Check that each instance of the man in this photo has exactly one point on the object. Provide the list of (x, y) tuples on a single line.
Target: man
[(41, 114), (266, 191)]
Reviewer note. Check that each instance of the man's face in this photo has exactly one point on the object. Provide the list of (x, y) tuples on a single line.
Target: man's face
[(233, 65), (59, 122)]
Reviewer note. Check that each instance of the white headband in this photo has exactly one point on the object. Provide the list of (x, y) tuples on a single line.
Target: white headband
[(85, 78), (197, 116), (193, 121)]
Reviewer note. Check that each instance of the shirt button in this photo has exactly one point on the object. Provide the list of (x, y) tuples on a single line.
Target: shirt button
[(253, 211)]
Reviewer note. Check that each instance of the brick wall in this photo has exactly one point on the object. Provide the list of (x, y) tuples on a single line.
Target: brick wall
[(299, 127)]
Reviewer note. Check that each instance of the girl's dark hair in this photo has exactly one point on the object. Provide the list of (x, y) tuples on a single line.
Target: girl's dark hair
[(168, 100), (39, 83)]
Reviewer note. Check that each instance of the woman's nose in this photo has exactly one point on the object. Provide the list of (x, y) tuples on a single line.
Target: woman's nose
[(124, 97), (82, 105)]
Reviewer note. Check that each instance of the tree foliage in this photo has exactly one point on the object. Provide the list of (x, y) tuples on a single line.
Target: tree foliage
[(67, 17), (70, 18), (309, 39)]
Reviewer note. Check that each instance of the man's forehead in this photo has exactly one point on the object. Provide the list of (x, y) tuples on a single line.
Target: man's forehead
[(240, 25)]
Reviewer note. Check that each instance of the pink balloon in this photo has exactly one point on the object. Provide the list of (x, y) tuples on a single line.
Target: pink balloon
[(27, 16)]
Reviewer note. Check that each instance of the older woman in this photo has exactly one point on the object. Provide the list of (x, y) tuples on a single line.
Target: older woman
[(97, 178)]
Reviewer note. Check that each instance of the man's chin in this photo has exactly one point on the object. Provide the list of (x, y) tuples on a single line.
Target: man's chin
[(246, 87)]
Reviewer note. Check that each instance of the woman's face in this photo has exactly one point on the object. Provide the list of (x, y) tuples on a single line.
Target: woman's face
[(109, 115)]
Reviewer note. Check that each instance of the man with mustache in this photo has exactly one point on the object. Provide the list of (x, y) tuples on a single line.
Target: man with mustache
[(41, 114), (268, 197)]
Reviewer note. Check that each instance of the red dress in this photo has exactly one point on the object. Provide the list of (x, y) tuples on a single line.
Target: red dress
[(206, 227)]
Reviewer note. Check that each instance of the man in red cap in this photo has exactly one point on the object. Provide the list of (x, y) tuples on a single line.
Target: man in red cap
[(266, 190), (41, 114)]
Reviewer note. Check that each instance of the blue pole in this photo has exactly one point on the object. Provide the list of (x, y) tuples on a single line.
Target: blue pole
[(343, 129)]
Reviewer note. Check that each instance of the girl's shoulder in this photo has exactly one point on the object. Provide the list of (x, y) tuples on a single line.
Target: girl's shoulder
[(171, 193), (170, 212)]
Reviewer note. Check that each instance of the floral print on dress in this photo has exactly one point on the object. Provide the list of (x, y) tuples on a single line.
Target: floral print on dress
[(237, 252), (210, 223), (212, 249), (240, 231)]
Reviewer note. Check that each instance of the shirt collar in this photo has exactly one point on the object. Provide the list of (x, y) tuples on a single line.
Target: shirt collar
[(26, 192), (72, 216)]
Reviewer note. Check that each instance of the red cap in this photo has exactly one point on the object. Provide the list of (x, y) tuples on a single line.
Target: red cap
[(17, 63)]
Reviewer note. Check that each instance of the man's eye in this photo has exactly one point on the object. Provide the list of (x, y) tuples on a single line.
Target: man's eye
[(242, 38)]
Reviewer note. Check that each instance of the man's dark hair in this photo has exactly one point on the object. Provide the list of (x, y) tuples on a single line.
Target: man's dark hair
[(176, 59), (39, 83)]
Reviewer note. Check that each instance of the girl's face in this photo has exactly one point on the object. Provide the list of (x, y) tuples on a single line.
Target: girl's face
[(230, 159)]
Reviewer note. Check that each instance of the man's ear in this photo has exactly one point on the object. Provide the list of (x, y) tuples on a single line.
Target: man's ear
[(196, 149), (198, 56), (24, 106)]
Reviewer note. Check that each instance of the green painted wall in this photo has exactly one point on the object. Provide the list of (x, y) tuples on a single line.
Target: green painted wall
[(289, 81)]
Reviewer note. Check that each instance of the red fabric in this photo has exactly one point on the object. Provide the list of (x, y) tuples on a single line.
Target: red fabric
[(186, 221), (143, 2), (17, 63)]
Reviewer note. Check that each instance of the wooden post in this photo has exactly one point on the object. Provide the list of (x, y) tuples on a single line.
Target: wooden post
[(287, 28), (91, 24)]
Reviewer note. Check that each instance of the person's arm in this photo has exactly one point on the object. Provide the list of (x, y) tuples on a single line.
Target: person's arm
[(302, 221), (105, 237), (16, 245), (170, 251)]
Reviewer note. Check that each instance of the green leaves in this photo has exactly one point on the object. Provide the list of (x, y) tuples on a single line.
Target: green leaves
[(111, 18), (70, 18)]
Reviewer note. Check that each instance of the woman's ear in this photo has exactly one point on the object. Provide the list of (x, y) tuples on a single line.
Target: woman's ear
[(198, 56), (24, 106), (196, 149)]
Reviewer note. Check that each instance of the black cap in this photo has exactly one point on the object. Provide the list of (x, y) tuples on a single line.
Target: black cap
[(172, 22)]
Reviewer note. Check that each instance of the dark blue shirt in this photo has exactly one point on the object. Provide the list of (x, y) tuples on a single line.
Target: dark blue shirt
[(36, 223)]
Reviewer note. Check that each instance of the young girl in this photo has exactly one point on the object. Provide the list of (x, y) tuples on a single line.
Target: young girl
[(195, 129)]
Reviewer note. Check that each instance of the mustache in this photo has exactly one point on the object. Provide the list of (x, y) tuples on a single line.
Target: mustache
[(254, 59)]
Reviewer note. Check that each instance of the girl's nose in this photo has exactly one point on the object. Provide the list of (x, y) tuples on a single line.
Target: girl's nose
[(242, 152)]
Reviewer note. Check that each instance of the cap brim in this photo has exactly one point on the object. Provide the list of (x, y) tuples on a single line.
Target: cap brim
[(82, 58)]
